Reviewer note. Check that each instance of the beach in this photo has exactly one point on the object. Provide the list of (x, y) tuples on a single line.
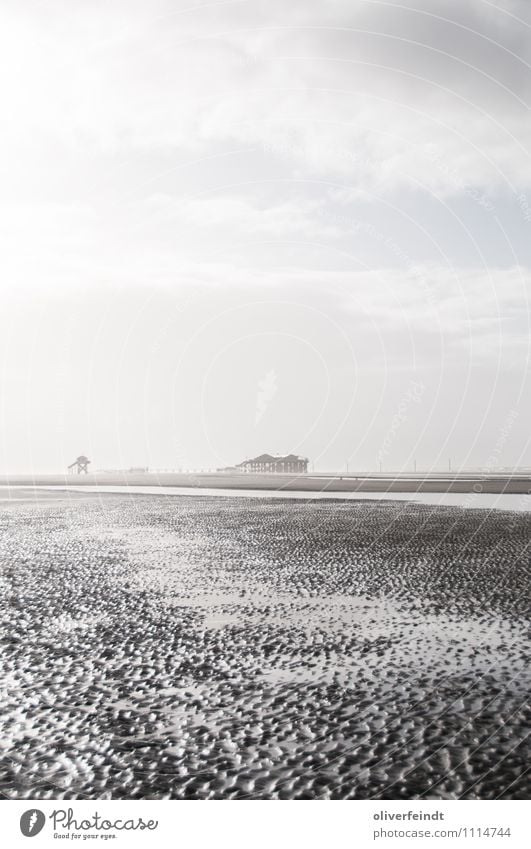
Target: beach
[(194, 647)]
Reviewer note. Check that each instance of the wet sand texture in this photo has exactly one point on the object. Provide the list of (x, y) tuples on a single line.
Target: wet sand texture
[(198, 648)]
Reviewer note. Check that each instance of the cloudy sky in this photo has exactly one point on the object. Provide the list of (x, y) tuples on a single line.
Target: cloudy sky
[(236, 227)]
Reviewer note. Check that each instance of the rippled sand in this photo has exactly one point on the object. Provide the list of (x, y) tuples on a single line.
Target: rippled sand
[(158, 647)]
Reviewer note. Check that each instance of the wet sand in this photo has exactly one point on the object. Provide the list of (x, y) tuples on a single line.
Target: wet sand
[(471, 500), (516, 484), (158, 647)]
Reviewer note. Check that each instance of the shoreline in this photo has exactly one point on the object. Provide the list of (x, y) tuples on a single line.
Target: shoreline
[(462, 484), (507, 502)]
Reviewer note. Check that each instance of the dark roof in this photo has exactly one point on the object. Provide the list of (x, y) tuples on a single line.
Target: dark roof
[(270, 458)]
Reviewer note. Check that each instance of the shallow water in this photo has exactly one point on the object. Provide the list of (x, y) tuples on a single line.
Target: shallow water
[(484, 501)]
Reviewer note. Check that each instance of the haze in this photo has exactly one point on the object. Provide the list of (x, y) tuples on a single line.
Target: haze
[(251, 227)]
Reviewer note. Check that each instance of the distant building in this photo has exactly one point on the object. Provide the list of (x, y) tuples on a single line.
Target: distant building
[(267, 463), (80, 465)]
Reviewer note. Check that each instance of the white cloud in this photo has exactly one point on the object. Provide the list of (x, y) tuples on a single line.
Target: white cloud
[(362, 91), (171, 159), (477, 316)]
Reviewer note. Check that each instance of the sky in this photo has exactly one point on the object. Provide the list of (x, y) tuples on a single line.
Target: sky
[(230, 228)]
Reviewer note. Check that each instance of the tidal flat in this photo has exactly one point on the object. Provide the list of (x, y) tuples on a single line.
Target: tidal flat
[(206, 648)]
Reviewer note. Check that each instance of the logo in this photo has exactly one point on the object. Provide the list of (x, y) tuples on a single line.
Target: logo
[(32, 822)]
